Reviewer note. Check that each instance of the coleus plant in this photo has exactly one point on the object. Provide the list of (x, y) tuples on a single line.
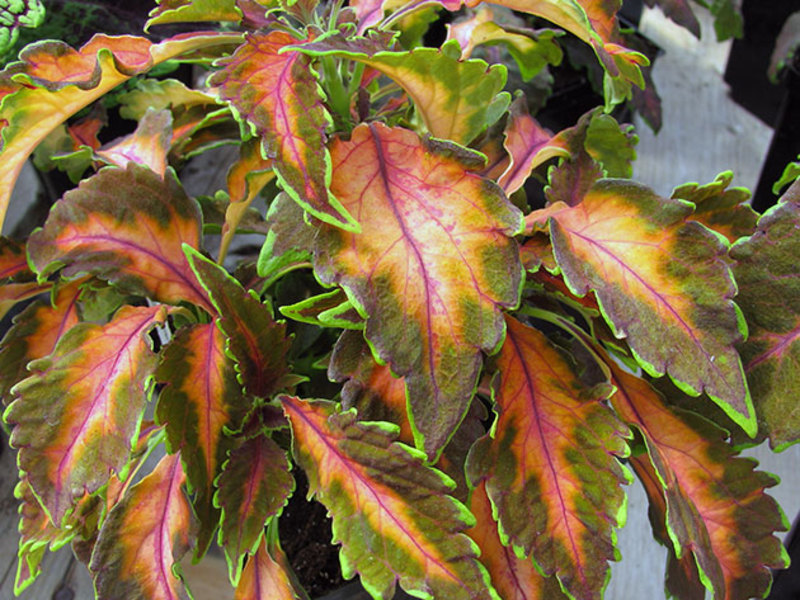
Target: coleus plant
[(502, 368)]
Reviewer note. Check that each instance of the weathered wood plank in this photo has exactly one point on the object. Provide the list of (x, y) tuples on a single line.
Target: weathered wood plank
[(704, 131)]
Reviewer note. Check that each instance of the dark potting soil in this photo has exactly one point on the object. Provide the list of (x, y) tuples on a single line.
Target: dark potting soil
[(305, 535)]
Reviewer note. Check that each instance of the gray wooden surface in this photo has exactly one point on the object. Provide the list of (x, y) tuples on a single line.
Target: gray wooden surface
[(704, 133)]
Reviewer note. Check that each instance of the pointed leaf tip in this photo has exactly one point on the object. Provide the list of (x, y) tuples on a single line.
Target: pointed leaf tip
[(144, 537), (254, 486), (278, 96), (76, 416), (550, 467), (431, 281), (663, 284), (268, 576), (412, 527), (257, 342), (709, 502)]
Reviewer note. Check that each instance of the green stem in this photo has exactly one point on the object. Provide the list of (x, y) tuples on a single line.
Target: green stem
[(152, 444), (355, 79), (334, 16), (579, 334), (337, 94)]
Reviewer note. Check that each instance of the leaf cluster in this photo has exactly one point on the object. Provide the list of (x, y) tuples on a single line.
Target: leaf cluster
[(468, 377)]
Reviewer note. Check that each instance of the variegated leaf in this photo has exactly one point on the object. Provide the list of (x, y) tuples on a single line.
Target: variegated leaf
[(368, 12), (133, 240), (217, 215), (13, 262), (53, 82), (76, 417), (537, 252), (377, 395), (34, 335), (531, 49), (161, 94), (768, 275), (269, 576), (413, 527), (276, 93), (514, 577), (245, 179), (716, 507), (143, 538), (17, 281), (254, 486), (329, 309), (290, 241), (594, 22), (288, 227), (431, 269), (85, 130), (663, 284), (147, 146), (370, 388), (12, 293), (256, 341), (248, 175), (456, 99), (551, 465), (682, 577), (719, 208), (200, 402), (528, 145), (37, 534), (597, 145), (92, 510), (183, 11)]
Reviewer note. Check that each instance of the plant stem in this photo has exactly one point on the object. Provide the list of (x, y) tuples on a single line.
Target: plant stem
[(337, 94), (355, 79), (579, 334)]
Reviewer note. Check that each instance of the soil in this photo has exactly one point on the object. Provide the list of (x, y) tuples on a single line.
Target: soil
[(305, 534)]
